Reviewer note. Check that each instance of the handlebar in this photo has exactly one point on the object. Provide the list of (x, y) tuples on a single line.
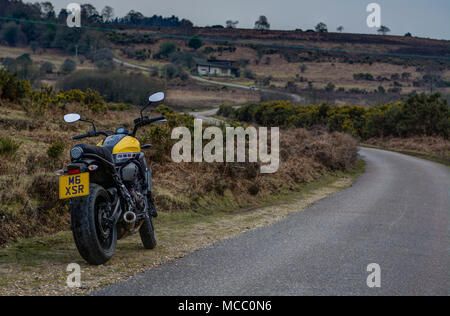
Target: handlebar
[(146, 121), (90, 134), (137, 124)]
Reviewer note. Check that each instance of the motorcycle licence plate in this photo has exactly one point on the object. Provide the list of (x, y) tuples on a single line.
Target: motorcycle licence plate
[(73, 186)]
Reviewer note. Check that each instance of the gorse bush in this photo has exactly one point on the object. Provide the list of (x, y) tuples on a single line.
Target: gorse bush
[(56, 149), (12, 88), (418, 115), (46, 99), (8, 146)]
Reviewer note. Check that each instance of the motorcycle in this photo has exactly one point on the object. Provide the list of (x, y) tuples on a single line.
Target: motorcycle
[(110, 187)]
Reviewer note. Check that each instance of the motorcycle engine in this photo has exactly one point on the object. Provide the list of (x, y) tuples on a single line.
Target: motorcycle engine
[(139, 199), (129, 173)]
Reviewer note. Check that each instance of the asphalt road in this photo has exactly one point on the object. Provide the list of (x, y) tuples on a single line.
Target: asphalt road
[(395, 215)]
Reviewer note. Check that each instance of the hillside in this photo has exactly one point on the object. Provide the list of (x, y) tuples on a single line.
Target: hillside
[(337, 68)]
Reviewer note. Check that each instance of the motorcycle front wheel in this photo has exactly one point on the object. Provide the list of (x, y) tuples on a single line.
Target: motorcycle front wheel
[(95, 241), (148, 233)]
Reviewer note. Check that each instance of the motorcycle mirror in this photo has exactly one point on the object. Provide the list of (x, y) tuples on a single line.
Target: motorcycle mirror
[(157, 97), (72, 118)]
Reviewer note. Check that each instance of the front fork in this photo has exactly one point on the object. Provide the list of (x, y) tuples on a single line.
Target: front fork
[(150, 199)]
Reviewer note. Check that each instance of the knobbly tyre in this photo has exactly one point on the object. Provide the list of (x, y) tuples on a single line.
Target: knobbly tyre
[(110, 189)]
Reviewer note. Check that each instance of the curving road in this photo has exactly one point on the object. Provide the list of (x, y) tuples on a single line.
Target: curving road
[(395, 215), (294, 97)]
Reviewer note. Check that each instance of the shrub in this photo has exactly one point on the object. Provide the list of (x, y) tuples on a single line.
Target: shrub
[(103, 59), (330, 87), (12, 88), (8, 147), (362, 76), (185, 59), (172, 71), (225, 110), (419, 115), (249, 74), (303, 68), (47, 67), (166, 49), (68, 66), (195, 42), (56, 149)]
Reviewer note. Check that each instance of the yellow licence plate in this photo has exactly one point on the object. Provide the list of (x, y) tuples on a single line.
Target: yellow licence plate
[(73, 186)]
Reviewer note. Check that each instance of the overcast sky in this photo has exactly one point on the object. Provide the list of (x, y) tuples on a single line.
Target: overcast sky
[(425, 18)]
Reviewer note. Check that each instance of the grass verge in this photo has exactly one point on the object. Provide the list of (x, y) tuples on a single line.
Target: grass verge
[(37, 266), (415, 153)]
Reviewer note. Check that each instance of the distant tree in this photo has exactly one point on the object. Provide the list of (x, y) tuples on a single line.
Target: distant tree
[(408, 35), (68, 66), (47, 11), (232, 24), (107, 13), (34, 46), (321, 28), (134, 18), (103, 59), (384, 30), (89, 13), (340, 29), (11, 33), (262, 23), (195, 42), (186, 24)]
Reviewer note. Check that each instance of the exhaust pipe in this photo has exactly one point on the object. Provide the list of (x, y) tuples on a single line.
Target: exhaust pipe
[(130, 220)]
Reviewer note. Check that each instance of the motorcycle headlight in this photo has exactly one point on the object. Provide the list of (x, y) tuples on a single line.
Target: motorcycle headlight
[(76, 153)]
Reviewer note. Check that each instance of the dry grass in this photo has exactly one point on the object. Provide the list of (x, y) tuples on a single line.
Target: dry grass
[(207, 96), (435, 148), (28, 186)]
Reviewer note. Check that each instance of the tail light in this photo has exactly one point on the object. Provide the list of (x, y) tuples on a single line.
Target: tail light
[(74, 171)]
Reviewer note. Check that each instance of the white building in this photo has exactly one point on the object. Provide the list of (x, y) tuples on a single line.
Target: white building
[(219, 68)]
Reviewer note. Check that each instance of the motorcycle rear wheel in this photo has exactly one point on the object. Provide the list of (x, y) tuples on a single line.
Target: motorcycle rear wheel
[(95, 243)]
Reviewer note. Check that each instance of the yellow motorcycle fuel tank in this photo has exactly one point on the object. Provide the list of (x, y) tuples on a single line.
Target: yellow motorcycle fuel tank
[(128, 144), (120, 144)]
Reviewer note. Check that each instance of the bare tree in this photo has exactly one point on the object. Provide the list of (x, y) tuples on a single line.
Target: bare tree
[(262, 23), (232, 24), (340, 29), (384, 30), (107, 14)]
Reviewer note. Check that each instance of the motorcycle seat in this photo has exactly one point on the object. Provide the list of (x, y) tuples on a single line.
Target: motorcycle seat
[(99, 151)]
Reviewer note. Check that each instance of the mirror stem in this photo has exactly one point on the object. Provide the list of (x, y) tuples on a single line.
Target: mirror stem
[(92, 122)]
